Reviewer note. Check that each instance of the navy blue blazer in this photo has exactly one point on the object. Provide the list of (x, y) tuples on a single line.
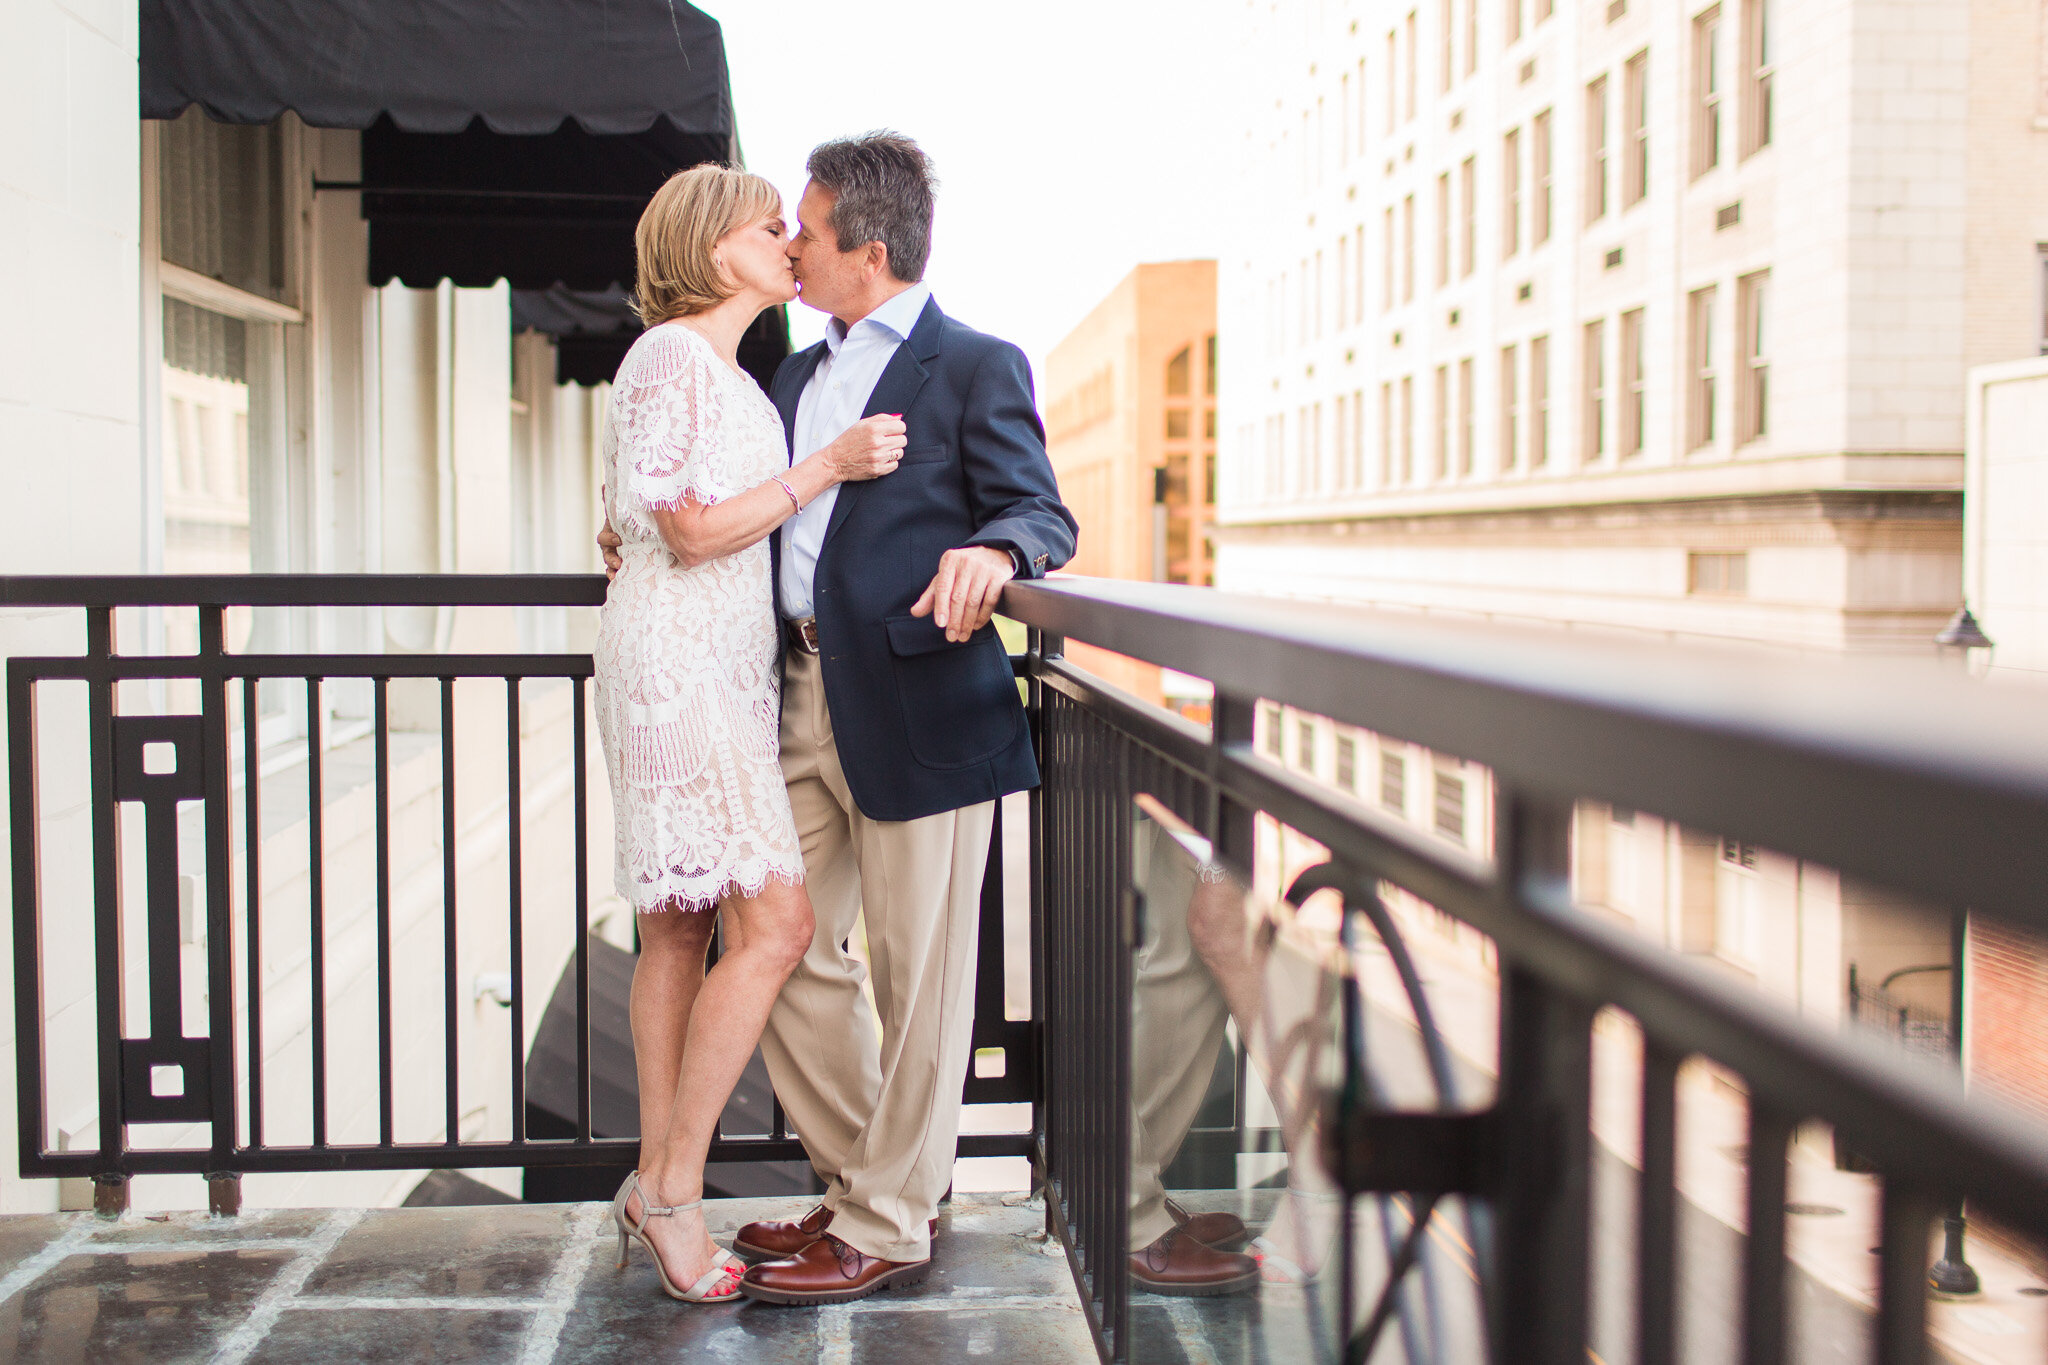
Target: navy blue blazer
[(924, 725)]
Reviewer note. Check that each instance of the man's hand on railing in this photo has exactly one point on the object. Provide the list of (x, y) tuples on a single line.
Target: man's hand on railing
[(608, 543)]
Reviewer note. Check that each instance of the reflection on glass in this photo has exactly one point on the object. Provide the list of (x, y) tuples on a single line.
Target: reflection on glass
[(1241, 1242)]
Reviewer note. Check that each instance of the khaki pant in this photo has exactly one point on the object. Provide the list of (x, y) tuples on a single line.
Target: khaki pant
[(879, 1122)]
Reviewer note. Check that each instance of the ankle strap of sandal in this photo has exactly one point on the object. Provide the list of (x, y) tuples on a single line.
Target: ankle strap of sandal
[(663, 1210)]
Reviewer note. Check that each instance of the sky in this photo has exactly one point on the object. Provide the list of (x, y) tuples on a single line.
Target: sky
[(1073, 140)]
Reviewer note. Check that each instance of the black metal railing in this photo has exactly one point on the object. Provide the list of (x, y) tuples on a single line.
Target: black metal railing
[(1930, 785), (168, 1072)]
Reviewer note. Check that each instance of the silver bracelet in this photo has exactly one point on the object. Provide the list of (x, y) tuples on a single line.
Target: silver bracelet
[(783, 484)]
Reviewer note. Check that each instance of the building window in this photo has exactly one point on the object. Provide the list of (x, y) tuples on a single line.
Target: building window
[(1209, 370), (1539, 402), (1176, 424), (1596, 149), (1510, 412), (1442, 452), (1347, 763), (1593, 368), (1511, 193), (1756, 42), (1358, 438), (1635, 101), (1408, 109), (1449, 48), (1178, 380), (1513, 10), (1471, 36), (1706, 77), (1544, 9), (1443, 229), (2041, 262), (1407, 428), (221, 242), (1717, 574), (1393, 781), (1387, 263), (1700, 397), (1360, 107), (1408, 249), (1753, 401), (1275, 731), (1342, 453), (1450, 804), (1465, 417), (1738, 854), (1386, 433), (1393, 85), (1305, 745), (1468, 209), (1358, 274), (1539, 176), (1632, 382)]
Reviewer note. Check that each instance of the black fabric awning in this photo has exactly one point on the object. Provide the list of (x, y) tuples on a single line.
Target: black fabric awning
[(502, 139), (433, 66), (594, 328)]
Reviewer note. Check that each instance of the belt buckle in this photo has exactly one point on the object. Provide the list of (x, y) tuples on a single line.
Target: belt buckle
[(804, 634)]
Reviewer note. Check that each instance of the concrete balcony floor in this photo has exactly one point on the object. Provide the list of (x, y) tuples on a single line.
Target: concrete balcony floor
[(526, 1283)]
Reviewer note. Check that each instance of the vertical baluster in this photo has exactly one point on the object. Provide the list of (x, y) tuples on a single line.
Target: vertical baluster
[(1763, 1252), (316, 905), (1657, 1209), (220, 955), (579, 741), (1546, 1055), (108, 986), (516, 890), (252, 901), (381, 688), (450, 990), (1902, 1275)]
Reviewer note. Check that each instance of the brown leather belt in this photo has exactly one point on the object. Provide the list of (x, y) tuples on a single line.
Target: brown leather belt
[(802, 635)]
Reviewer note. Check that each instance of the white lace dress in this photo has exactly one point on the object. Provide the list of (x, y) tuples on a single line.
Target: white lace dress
[(687, 688)]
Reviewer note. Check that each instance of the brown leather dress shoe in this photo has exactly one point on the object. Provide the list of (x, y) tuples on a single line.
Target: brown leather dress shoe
[(1179, 1264), (829, 1271), (777, 1239), (1218, 1231)]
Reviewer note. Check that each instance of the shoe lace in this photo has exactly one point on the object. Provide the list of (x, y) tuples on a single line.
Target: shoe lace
[(849, 1259)]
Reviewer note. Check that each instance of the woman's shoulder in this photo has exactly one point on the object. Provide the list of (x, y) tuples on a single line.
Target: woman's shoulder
[(662, 354)]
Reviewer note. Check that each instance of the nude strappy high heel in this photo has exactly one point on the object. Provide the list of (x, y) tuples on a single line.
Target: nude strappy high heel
[(724, 1272)]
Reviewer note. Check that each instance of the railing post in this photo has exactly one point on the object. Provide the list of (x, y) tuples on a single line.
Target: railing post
[(223, 1194), (109, 1194), (1231, 724), (1539, 1305)]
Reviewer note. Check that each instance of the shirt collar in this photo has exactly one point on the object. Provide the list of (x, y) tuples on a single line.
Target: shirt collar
[(898, 315)]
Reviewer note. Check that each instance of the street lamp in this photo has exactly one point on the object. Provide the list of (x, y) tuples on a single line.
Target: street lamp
[(1965, 642)]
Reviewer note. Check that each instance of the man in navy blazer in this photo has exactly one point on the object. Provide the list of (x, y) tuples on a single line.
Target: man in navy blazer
[(901, 723)]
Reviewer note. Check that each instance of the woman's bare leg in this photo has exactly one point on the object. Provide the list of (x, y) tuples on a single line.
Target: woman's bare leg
[(666, 979), (765, 937)]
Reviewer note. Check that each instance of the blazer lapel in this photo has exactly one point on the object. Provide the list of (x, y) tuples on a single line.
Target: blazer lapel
[(791, 390), (903, 378)]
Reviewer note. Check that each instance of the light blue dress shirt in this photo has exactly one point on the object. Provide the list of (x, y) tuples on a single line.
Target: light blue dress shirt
[(832, 401)]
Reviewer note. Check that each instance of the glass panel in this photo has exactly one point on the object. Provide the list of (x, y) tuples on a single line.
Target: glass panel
[(222, 201), (223, 442), (1236, 1031)]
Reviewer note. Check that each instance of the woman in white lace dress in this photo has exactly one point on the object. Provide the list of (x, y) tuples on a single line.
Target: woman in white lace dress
[(697, 476)]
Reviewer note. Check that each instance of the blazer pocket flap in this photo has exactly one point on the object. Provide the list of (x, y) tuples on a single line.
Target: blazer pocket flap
[(913, 635)]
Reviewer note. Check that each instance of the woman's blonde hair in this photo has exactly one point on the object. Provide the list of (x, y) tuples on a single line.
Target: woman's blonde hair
[(679, 231)]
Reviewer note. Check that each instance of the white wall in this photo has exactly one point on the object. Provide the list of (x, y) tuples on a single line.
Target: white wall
[(70, 434), (2005, 541)]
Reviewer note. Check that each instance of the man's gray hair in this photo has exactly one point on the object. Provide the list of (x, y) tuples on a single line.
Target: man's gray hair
[(886, 191)]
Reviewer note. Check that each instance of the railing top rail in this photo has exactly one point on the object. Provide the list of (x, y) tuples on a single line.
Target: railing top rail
[(302, 590), (1908, 776)]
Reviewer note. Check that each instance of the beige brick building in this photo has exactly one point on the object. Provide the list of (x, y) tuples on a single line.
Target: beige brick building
[(1631, 317), (1130, 418)]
